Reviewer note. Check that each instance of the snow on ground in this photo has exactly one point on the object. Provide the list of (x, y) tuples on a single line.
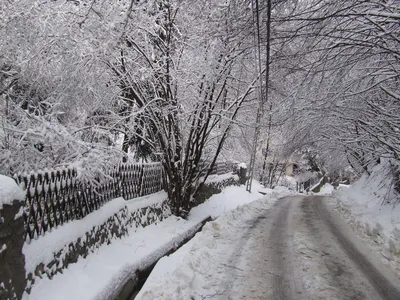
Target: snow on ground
[(242, 165), (9, 191), (219, 178), (41, 250), (326, 189), (362, 205), (233, 196), (288, 181), (100, 274), (145, 201), (230, 198), (194, 271), (104, 270)]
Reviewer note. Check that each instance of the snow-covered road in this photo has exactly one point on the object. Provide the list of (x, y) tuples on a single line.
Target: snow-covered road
[(334, 263), (296, 249), (262, 260)]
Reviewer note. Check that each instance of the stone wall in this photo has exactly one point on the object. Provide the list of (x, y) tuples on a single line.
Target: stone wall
[(12, 261), (128, 218), (116, 226), (213, 188)]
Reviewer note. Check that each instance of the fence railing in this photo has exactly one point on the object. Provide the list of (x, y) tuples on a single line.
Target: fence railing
[(306, 185), (54, 197), (219, 167)]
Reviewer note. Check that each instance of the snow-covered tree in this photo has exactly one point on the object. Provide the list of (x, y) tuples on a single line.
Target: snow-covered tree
[(190, 91)]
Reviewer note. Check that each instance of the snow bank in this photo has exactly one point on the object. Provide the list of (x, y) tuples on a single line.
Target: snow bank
[(42, 250), (278, 191), (230, 198), (242, 165), (220, 178), (288, 181), (100, 274), (194, 271), (281, 191), (145, 201), (9, 191), (233, 196), (326, 189), (363, 205)]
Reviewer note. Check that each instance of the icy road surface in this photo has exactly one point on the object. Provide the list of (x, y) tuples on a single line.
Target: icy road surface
[(302, 250), (296, 249)]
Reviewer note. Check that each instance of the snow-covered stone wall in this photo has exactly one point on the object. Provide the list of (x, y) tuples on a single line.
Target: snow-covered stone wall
[(214, 185), (52, 253), (12, 272), (62, 246)]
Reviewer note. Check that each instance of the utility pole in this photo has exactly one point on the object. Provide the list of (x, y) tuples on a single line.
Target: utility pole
[(260, 110), (266, 84)]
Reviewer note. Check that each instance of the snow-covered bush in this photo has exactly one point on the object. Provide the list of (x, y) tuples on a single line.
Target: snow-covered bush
[(37, 142)]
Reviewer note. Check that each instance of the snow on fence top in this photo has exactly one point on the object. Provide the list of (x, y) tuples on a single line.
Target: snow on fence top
[(54, 197)]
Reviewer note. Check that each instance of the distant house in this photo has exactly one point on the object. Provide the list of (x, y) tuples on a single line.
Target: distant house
[(291, 169)]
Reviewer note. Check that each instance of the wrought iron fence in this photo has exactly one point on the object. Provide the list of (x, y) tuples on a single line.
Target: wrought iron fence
[(54, 197)]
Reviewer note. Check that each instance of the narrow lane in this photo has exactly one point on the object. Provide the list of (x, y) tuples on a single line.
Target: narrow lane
[(300, 250), (327, 272), (264, 268), (384, 286), (286, 283)]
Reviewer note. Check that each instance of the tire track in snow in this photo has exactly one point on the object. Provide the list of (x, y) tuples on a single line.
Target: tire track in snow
[(234, 288), (284, 286), (327, 272), (382, 285), (263, 265)]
